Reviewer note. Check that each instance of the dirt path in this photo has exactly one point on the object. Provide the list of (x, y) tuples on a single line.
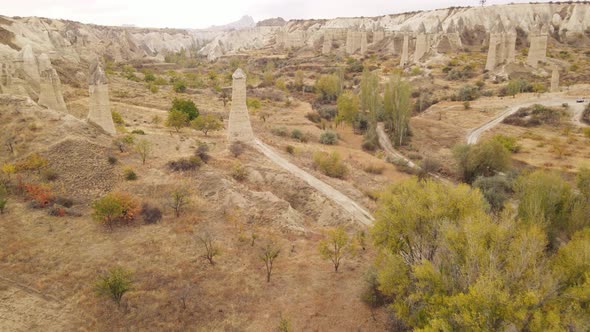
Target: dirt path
[(339, 198), (474, 134), (391, 152), (578, 110)]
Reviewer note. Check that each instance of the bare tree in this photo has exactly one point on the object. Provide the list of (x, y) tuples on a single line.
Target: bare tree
[(211, 249), (482, 2), (144, 148), (269, 253), (179, 198)]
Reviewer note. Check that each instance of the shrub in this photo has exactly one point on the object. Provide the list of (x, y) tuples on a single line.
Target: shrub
[(203, 152), (117, 118), (153, 88), (496, 190), (138, 132), (129, 174), (482, 159), (466, 105), (468, 92), (115, 208), (64, 201), (586, 132), (49, 175), (328, 87), (374, 169), (508, 142), (330, 164), (56, 211), (40, 194), (313, 117), (236, 148), (253, 103), (112, 160), (3, 198), (150, 214), (239, 172), (179, 86), (280, 131), (329, 138), (290, 149), (114, 284), (297, 134), (33, 162), (185, 164)]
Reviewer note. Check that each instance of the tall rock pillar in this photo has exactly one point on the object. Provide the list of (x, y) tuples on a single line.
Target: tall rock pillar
[(555, 80), (327, 46), (405, 46), (363, 43), (50, 94), (537, 50), (239, 127), (99, 105)]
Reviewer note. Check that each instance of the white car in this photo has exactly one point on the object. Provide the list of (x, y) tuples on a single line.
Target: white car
[(580, 100)]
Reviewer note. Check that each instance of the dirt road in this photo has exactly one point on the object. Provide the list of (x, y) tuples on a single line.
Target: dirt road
[(474, 134), (350, 206)]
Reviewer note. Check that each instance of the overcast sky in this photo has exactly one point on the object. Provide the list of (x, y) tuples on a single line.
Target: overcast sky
[(202, 14)]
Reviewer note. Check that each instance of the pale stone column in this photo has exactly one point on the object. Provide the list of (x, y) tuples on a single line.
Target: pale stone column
[(50, 94), (405, 46), (363, 42), (99, 104), (537, 50), (327, 46), (239, 127), (555, 80)]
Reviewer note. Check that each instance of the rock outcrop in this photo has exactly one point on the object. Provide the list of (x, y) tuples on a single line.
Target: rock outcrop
[(502, 46), (28, 67), (239, 127), (421, 44), (327, 44), (405, 51), (555, 80), (537, 49), (50, 94), (99, 104)]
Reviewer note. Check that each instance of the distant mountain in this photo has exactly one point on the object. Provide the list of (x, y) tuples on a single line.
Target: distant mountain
[(245, 22)]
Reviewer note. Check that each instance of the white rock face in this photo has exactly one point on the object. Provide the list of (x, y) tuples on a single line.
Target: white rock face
[(27, 64), (99, 105)]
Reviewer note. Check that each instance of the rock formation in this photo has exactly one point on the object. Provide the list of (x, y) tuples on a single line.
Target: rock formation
[(502, 46), (405, 47), (421, 44), (239, 128), (353, 41), (537, 49), (555, 80), (26, 62), (5, 78), (50, 94), (327, 45), (99, 105), (378, 36), (451, 40), (364, 45)]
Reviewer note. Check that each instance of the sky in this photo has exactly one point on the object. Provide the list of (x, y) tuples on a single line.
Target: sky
[(202, 14)]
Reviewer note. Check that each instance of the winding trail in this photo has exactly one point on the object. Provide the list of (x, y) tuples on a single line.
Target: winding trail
[(577, 108), (350, 206), (386, 145)]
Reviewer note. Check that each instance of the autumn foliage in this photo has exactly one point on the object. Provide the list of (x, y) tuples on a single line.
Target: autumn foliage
[(41, 193), (116, 208)]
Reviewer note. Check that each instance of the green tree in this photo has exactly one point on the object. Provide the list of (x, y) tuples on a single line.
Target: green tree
[(348, 107), (329, 87), (370, 99), (178, 200), (114, 284), (207, 123), (186, 106), (397, 109), (336, 246), (545, 199), (298, 83), (177, 119), (482, 159)]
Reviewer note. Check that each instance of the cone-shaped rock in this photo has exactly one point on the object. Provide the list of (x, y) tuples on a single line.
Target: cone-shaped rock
[(100, 108), (50, 94)]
